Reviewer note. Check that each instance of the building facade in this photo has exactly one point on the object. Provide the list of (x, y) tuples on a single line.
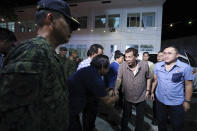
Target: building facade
[(114, 24)]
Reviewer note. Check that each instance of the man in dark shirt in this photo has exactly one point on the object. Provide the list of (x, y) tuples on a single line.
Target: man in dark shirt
[(87, 84)]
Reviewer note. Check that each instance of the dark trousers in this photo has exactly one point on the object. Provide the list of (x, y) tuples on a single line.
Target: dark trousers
[(176, 114), (154, 109), (89, 115), (127, 110), (74, 124)]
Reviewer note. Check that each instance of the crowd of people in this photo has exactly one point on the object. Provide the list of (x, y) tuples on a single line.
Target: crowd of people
[(41, 90)]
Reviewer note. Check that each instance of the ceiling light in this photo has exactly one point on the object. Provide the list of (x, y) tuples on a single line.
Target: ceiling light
[(171, 25), (2, 19)]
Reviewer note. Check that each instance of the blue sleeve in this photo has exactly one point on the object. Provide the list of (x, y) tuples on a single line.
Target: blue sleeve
[(155, 69), (112, 74), (188, 73)]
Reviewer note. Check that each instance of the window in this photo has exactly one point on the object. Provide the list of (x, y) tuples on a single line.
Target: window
[(3, 25), (31, 26), (22, 28), (148, 19), (146, 48), (133, 20), (114, 21), (11, 26), (113, 48), (81, 49), (100, 21), (83, 21), (69, 47), (132, 46)]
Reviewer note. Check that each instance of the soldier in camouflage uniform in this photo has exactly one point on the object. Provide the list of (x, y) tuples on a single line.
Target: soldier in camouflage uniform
[(62, 53), (33, 92), (71, 63)]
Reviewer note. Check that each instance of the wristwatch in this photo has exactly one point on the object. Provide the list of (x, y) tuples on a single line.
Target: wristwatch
[(187, 101)]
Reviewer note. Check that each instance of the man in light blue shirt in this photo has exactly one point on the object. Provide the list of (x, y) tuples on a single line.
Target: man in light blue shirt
[(172, 77)]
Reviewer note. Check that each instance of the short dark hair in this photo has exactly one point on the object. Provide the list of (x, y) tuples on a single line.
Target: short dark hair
[(88, 53), (145, 53), (135, 51), (118, 54), (41, 15), (63, 49), (100, 61), (7, 35), (176, 49), (94, 49)]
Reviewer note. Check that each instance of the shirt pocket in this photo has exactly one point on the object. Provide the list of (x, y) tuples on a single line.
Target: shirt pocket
[(177, 77)]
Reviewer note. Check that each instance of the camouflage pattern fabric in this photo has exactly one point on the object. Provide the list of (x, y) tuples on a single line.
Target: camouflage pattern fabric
[(63, 59), (70, 67), (33, 92)]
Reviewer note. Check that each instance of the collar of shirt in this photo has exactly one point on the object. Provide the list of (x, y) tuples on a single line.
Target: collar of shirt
[(177, 64), (138, 67), (116, 62)]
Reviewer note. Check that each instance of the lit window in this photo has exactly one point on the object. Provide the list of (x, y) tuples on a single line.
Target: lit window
[(100, 21), (114, 21), (132, 46), (29, 29), (81, 49), (133, 20), (31, 26), (113, 48), (11, 26), (83, 21), (3, 25), (22, 28), (146, 48), (148, 19)]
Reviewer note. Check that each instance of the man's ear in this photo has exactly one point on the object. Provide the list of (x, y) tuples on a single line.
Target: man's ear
[(137, 57), (177, 55), (49, 19)]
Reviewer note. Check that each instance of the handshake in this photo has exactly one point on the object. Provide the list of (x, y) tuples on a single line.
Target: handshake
[(112, 92)]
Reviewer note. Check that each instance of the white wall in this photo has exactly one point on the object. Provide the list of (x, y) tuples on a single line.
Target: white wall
[(123, 35)]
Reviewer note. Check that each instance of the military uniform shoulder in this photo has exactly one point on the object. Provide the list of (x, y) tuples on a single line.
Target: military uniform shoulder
[(33, 49)]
